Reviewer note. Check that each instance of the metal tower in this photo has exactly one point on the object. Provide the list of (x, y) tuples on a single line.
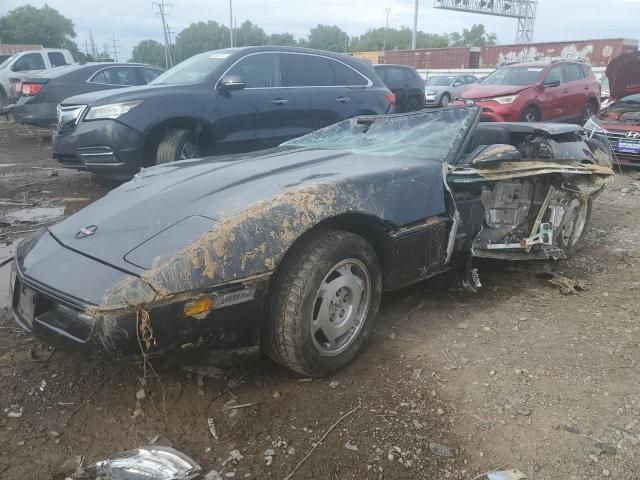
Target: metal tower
[(522, 10)]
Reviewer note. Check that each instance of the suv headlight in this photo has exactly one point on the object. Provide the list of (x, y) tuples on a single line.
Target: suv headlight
[(592, 126), (113, 110), (505, 100)]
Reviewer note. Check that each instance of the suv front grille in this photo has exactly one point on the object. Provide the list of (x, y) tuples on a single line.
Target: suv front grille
[(68, 117), (614, 137)]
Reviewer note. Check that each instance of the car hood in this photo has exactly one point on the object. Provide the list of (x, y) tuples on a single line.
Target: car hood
[(478, 91), (105, 97), (624, 75), (189, 197)]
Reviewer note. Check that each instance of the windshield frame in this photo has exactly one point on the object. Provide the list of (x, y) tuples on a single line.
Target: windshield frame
[(6, 63), (451, 157), (220, 55)]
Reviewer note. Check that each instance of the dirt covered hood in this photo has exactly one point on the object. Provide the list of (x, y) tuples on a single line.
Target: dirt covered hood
[(624, 75)]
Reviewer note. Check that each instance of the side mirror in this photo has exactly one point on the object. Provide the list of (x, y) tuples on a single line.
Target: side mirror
[(231, 83), (551, 84), (457, 84), (499, 152)]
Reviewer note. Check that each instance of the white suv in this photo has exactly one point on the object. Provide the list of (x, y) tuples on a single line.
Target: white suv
[(24, 64)]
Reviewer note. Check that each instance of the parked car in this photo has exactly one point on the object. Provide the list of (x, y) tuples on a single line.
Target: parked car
[(230, 100), (24, 64), (407, 85), (41, 93), (620, 121), (292, 247), (558, 90), (441, 90)]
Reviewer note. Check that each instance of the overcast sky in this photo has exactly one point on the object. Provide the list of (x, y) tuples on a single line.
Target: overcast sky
[(134, 20)]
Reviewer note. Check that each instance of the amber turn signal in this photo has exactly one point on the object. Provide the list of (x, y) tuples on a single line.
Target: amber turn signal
[(198, 307)]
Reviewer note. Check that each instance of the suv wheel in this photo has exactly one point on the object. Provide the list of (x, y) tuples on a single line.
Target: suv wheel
[(530, 114), (322, 303), (445, 99), (177, 144), (413, 105)]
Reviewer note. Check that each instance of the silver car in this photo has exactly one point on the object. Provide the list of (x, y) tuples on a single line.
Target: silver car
[(441, 90)]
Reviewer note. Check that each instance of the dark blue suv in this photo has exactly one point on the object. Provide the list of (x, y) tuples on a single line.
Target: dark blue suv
[(224, 101)]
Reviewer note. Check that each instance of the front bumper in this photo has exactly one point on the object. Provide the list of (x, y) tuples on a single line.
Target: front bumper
[(494, 111), (56, 295), (432, 100), (104, 147)]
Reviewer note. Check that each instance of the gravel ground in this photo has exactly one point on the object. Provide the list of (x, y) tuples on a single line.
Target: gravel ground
[(450, 386)]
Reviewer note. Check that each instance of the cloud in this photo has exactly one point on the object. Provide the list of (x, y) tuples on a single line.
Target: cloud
[(134, 20)]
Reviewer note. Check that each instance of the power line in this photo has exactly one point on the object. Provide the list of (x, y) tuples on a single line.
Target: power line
[(115, 45), (386, 27), (168, 57)]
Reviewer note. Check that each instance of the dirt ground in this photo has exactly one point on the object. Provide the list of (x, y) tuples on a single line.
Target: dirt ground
[(451, 386)]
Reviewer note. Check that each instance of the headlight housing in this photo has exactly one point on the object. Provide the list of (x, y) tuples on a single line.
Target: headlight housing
[(111, 111), (592, 126), (432, 92), (505, 100)]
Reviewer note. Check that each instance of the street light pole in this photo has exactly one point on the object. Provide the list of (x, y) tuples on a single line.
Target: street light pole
[(231, 22), (415, 27), (386, 27)]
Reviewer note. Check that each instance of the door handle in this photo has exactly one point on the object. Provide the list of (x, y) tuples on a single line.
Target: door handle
[(342, 99), (279, 101)]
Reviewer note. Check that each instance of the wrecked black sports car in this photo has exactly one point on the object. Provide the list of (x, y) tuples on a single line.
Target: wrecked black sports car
[(291, 248)]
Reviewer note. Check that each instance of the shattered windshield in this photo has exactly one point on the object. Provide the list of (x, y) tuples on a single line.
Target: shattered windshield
[(433, 135)]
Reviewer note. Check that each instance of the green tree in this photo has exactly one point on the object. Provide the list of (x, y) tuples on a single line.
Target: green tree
[(282, 39), (474, 37), (397, 39), (329, 37), (41, 26), (249, 34), (201, 37), (150, 52)]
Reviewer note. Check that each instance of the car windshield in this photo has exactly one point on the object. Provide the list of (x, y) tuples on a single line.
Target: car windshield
[(630, 99), (440, 81), (514, 76), (6, 62), (433, 135), (193, 70)]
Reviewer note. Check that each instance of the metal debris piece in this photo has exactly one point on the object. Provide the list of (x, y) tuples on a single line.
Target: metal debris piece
[(512, 474), (206, 371), (442, 450), (212, 428), (156, 463), (567, 285), (351, 446)]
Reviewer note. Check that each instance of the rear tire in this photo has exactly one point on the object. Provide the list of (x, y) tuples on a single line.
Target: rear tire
[(530, 114), (177, 144), (323, 300), (574, 226), (413, 105), (445, 100)]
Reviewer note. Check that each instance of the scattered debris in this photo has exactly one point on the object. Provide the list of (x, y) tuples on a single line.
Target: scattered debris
[(440, 411), (416, 373), (155, 462), (212, 372), (350, 446), (567, 285), (442, 450), (512, 474), (523, 410), (15, 411), (213, 475), (334, 384), (212, 428)]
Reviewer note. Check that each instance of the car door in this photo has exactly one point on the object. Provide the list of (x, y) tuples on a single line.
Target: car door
[(457, 86), (577, 96), (316, 98), (252, 117), (353, 95), (553, 98)]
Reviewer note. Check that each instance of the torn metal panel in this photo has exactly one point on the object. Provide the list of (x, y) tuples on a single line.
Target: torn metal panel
[(510, 170)]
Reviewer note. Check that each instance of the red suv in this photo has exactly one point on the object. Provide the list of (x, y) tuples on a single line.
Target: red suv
[(559, 90)]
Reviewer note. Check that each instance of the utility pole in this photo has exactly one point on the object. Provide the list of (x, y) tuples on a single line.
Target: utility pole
[(415, 27), (386, 27), (231, 22), (165, 30), (86, 47), (94, 52), (116, 47)]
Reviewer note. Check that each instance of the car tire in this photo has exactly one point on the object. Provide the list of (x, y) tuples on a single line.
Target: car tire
[(530, 114), (177, 144), (574, 226), (590, 109), (322, 302), (445, 99), (413, 105)]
